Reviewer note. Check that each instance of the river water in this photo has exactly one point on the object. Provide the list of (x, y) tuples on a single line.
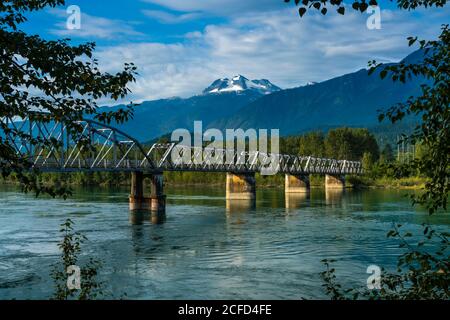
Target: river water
[(205, 247)]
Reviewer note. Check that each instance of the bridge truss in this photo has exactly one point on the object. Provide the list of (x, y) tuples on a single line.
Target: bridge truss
[(55, 149)]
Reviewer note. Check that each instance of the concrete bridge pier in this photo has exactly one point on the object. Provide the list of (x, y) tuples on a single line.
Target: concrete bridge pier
[(137, 200), (240, 186), (158, 199), (296, 183), (335, 182)]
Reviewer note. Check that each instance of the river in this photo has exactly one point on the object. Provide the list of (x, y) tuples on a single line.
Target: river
[(205, 247)]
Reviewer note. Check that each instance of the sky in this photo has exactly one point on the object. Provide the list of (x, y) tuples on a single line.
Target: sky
[(181, 46)]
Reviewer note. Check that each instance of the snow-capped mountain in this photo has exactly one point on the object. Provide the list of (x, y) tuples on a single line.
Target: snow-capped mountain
[(240, 83)]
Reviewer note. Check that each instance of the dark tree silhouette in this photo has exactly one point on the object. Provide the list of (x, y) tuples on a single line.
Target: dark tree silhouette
[(432, 105), (361, 6), (421, 272), (54, 77)]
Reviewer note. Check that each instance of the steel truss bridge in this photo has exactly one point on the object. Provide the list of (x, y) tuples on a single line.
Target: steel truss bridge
[(111, 149)]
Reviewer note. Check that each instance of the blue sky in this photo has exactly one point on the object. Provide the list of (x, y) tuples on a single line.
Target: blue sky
[(181, 46)]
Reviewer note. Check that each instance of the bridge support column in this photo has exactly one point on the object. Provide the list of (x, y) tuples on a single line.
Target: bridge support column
[(137, 199), (240, 186), (296, 183), (158, 199), (335, 182)]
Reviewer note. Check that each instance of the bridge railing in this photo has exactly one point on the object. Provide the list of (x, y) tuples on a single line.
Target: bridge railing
[(173, 157), (106, 148)]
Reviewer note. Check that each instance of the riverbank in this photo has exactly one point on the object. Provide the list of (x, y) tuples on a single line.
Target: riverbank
[(184, 179), (410, 183)]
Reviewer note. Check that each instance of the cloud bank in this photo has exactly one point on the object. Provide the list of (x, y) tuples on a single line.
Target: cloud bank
[(94, 27), (272, 44)]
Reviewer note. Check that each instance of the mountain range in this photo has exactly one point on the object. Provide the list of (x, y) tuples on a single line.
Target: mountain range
[(353, 99)]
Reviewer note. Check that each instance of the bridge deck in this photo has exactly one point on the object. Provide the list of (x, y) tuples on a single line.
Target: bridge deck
[(112, 150)]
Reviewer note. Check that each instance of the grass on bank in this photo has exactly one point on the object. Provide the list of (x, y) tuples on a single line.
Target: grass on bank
[(108, 179)]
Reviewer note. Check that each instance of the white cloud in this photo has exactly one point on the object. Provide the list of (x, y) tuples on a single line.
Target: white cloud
[(165, 70), (276, 45), (94, 27), (170, 18), (218, 7)]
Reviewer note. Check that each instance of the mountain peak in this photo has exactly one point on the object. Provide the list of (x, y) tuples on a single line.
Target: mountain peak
[(240, 83), (239, 77)]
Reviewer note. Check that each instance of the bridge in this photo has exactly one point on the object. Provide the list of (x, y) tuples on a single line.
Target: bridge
[(99, 147)]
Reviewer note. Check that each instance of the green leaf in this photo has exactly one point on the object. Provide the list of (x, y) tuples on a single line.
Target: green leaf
[(301, 11), (341, 10)]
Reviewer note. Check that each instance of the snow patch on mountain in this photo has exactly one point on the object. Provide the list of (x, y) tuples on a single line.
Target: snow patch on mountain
[(240, 83)]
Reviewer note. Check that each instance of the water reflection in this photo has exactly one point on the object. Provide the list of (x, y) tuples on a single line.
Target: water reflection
[(139, 217), (239, 206), (334, 197), (294, 201), (208, 247)]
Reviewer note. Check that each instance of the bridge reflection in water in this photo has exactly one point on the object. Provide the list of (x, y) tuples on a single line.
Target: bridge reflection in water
[(334, 197), (294, 201), (140, 217), (112, 150), (236, 211), (238, 206)]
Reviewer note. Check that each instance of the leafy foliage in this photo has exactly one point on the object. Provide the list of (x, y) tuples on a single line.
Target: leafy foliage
[(359, 5), (423, 271), (421, 274), (70, 247), (433, 106), (387, 154), (53, 77), (351, 144), (312, 144), (340, 143)]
